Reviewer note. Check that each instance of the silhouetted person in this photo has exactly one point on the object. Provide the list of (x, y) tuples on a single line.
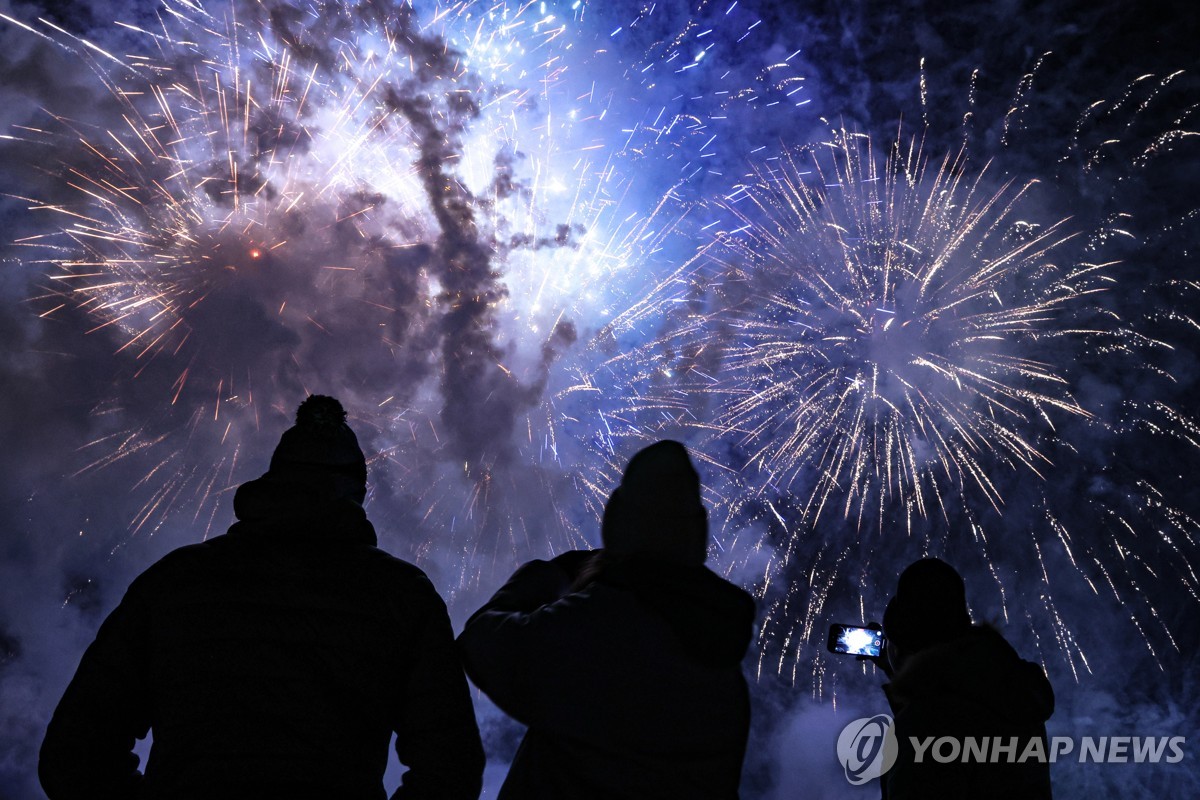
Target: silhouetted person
[(276, 660), (952, 678), (623, 663)]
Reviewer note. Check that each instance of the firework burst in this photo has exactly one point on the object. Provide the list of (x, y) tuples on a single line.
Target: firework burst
[(899, 319), (281, 200)]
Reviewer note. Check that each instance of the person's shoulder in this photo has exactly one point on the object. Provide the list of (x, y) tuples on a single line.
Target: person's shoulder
[(186, 557), (978, 648), (727, 585), (984, 667), (177, 568), (729, 593), (989, 642), (1026, 678), (392, 566), (395, 576)]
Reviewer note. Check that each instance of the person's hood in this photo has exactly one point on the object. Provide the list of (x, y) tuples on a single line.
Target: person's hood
[(979, 668), (300, 509), (657, 512), (713, 619)]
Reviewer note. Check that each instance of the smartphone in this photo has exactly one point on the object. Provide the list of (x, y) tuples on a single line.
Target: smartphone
[(855, 641)]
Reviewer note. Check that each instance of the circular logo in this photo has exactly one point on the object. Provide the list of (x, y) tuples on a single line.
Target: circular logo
[(867, 748)]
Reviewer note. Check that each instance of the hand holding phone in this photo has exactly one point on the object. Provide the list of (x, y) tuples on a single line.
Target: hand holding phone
[(855, 640)]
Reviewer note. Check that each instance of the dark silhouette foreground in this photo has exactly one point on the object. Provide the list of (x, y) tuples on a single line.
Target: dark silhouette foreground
[(276, 660), (624, 663), (952, 678)]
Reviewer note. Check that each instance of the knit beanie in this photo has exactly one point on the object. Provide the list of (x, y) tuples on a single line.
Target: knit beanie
[(321, 447), (930, 606), (657, 508)]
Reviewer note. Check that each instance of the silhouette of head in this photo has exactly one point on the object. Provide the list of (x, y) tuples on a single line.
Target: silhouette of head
[(930, 607), (320, 447), (657, 510)]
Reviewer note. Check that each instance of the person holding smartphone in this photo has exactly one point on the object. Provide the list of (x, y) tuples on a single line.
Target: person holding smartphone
[(950, 678)]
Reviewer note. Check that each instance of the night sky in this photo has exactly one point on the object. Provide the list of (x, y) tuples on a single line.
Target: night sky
[(520, 243)]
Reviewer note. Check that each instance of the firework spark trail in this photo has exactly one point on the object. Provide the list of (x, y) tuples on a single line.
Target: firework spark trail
[(188, 198), (902, 346), (265, 176), (875, 330)]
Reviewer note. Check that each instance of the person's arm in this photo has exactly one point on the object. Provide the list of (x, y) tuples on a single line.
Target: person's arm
[(507, 644), (88, 749), (437, 737)]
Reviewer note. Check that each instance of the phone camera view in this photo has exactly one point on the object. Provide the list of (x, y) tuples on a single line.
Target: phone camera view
[(855, 641)]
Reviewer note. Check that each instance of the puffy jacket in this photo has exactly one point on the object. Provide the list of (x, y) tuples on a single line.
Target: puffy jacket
[(631, 687), (274, 661), (974, 686)]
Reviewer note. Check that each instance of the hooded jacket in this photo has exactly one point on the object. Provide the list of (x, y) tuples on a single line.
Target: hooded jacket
[(274, 661), (631, 687), (972, 686)]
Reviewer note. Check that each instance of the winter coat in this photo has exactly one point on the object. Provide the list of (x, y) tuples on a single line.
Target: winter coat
[(630, 687), (973, 686), (274, 661)]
